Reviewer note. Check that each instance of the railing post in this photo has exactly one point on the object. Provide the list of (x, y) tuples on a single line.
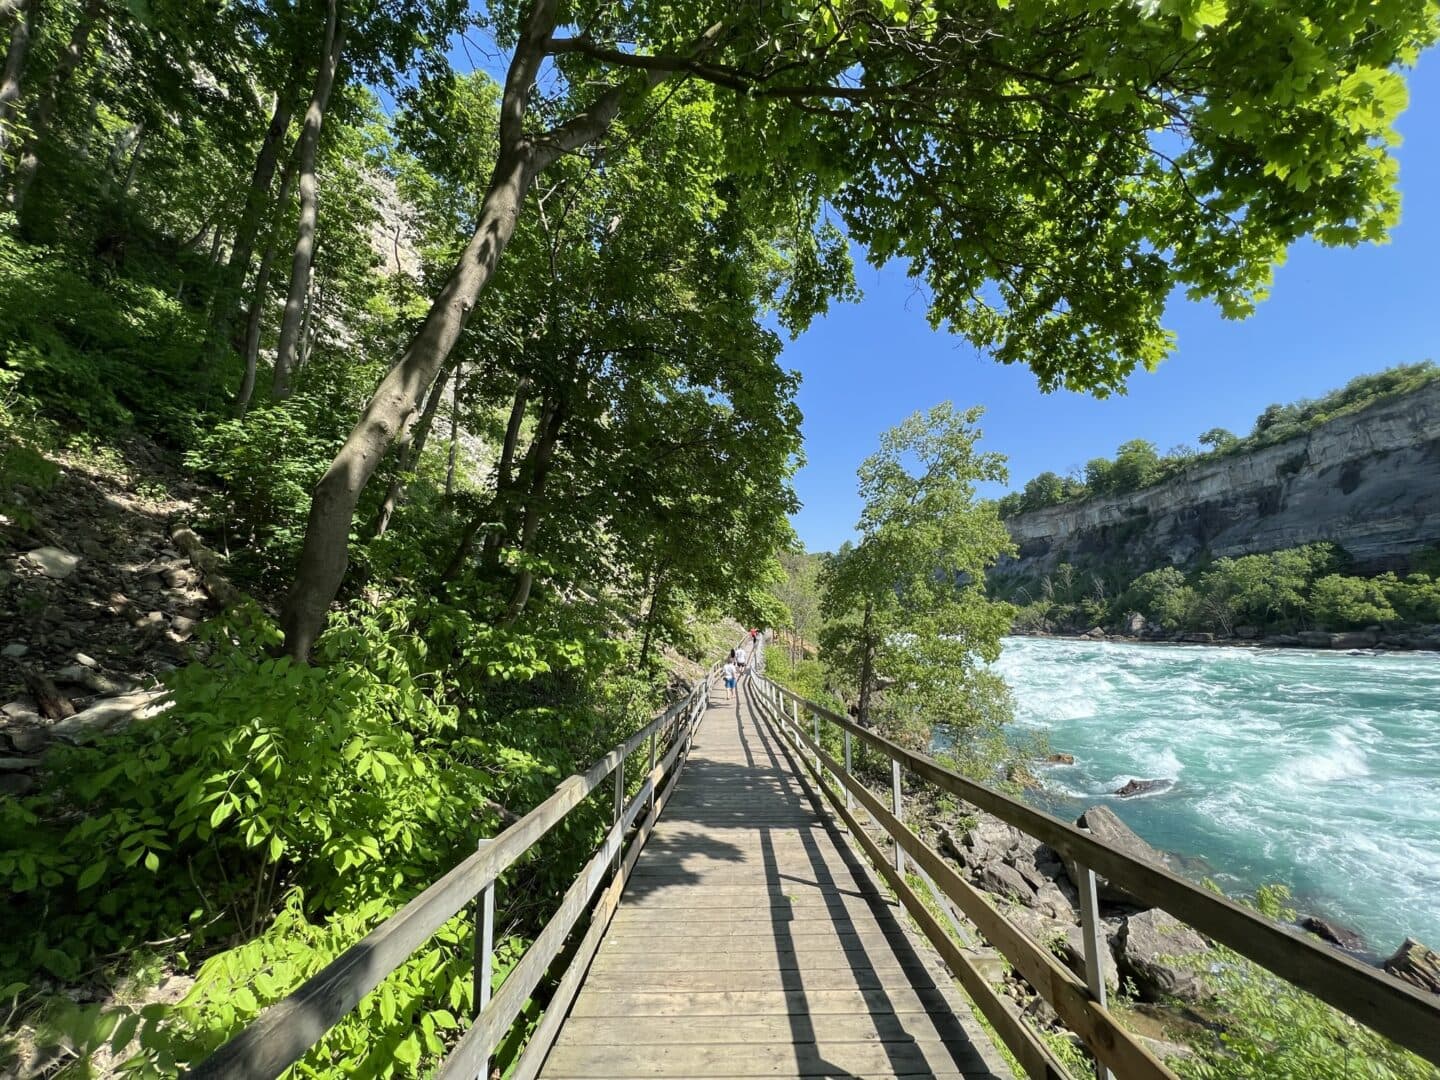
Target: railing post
[(653, 783), (484, 942), (1093, 935), (849, 799), (819, 772), (896, 809), (619, 810)]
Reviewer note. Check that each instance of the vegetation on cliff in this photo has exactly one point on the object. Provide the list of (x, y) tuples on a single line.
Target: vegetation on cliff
[(1139, 464), (1278, 592)]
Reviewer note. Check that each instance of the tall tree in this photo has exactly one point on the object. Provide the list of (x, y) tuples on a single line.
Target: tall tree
[(45, 105), (908, 601), (1008, 152), (10, 79), (287, 354)]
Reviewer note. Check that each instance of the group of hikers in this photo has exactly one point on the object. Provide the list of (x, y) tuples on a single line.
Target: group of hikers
[(737, 663)]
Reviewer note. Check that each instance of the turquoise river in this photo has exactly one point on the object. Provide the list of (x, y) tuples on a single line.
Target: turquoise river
[(1320, 771)]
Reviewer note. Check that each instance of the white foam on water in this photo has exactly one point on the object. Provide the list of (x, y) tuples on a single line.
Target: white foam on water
[(1317, 770)]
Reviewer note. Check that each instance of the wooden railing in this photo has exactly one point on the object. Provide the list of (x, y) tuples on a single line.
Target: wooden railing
[(1401, 1012), (281, 1035)]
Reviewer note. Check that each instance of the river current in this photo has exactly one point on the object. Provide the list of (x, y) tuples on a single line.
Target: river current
[(1316, 770)]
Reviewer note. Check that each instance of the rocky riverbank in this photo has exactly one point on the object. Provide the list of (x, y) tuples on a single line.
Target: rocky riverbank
[(1153, 961)]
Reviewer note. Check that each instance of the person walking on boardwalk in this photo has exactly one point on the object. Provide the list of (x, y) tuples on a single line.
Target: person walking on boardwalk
[(730, 672), (742, 658)]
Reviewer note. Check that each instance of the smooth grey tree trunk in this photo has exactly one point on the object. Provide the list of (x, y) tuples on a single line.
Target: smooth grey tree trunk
[(255, 319), (287, 354), (412, 445), (20, 36), (242, 249)]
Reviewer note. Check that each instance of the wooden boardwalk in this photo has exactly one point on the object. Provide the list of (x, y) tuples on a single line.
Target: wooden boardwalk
[(750, 941)]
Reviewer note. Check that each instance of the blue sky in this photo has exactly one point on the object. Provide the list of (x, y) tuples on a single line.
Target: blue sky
[(1332, 314)]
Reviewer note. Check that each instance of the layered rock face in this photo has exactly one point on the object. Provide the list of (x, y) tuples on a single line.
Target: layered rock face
[(1368, 481)]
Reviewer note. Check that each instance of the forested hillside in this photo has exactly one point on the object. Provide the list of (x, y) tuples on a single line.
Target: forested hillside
[(373, 425)]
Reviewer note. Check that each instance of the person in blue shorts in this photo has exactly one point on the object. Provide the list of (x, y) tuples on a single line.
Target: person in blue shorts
[(730, 672)]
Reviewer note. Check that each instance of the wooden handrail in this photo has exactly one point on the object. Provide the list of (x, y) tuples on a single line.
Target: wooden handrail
[(1401, 1012), (283, 1032)]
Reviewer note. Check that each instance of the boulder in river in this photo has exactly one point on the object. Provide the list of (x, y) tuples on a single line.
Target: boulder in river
[(1094, 634), (1141, 787), (1417, 964), (1105, 825), (1154, 951), (1339, 936), (1061, 759), (1314, 639), (1357, 639), (1133, 625)]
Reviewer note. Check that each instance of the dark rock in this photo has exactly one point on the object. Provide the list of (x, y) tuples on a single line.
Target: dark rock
[(1282, 640), (1247, 633), (1061, 759), (1073, 953), (1355, 639), (1336, 935), (1314, 639), (1153, 948), (1003, 880), (25, 740), (1133, 625), (1417, 964), (1197, 638), (18, 764), (1105, 825), (17, 784), (1141, 787), (1094, 634)]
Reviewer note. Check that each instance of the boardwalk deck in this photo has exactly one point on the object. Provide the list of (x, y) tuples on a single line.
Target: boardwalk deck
[(751, 941)]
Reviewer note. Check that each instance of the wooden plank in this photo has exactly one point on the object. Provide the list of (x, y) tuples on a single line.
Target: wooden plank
[(1037, 1059), (684, 1003), (1096, 1026), (773, 1027), (1401, 1012), (532, 1059), (771, 1059), (870, 977)]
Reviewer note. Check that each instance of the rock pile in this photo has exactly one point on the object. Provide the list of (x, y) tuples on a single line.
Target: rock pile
[(98, 597)]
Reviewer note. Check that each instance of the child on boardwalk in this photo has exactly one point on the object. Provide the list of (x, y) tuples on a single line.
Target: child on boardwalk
[(730, 672)]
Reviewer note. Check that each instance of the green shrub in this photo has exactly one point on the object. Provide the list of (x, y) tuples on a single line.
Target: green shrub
[(1271, 1030), (1340, 602), (106, 354)]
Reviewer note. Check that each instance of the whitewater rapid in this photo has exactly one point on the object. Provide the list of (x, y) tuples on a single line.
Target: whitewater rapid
[(1316, 770)]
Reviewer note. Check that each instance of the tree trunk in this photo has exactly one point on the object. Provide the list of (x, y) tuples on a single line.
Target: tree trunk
[(506, 465), (412, 445), (258, 294), (453, 459), (521, 157), (134, 163), (658, 579), (253, 215), (867, 666), (15, 68), (287, 355), (45, 106), (539, 474)]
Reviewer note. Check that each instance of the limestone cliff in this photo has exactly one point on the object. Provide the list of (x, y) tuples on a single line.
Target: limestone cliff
[(1368, 481)]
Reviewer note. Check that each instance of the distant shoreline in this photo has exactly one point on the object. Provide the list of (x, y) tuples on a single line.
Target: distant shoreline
[(1348, 642)]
